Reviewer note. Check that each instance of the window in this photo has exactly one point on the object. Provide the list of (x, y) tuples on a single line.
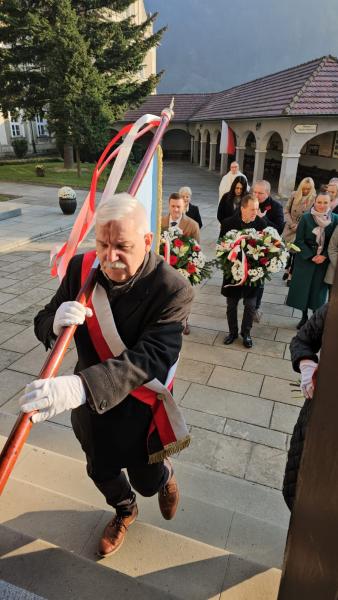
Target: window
[(16, 129), (41, 126)]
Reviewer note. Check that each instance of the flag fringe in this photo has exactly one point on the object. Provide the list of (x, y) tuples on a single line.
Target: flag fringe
[(169, 450)]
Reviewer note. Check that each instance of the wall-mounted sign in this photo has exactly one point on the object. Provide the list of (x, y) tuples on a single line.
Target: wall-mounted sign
[(305, 128)]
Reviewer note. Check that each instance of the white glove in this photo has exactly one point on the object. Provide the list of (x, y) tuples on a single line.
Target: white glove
[(307, 369), (70, 313), (52, 396)]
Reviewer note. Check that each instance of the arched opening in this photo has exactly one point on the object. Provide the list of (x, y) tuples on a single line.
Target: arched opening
[(176, 145), (207, 149), (140, 146), (218, 154), (319, 159), (249, 156), (273, 160)]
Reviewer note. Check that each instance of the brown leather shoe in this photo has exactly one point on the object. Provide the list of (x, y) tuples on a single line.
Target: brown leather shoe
[(186, 330), (114, 533), (168, 498)]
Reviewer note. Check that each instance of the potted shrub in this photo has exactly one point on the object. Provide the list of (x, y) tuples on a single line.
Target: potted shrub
[(40, 170), (67, 200)]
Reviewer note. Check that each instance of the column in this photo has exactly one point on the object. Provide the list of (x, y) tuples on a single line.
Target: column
[(203, 153), (196, 147), (288, 174), (212, 161), (240, 151), (191, 149), (224, 164), (259, 165)]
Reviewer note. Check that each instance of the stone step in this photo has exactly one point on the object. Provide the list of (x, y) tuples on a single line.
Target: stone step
[(216, 509), (64, 532), (52, 573)]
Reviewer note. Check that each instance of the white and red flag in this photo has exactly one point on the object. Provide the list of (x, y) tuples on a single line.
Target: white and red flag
[(227, 143)]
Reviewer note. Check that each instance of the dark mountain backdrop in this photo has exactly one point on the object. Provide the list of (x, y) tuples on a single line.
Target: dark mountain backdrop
[(211, 45)]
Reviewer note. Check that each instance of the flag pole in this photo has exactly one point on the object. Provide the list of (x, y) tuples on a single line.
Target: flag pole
[(23, 424)]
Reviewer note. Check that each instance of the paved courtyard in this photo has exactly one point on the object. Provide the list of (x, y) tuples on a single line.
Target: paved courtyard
[(237, 402)]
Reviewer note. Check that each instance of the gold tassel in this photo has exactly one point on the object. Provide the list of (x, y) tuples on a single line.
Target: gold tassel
[(169, 450)]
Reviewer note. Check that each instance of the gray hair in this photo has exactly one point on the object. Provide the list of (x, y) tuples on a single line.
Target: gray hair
[(122, 206), (265, 183), (185, 190)]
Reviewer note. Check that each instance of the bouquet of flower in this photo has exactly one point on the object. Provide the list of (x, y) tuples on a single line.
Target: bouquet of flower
[(248, 257), (67, 193), (185, 255)]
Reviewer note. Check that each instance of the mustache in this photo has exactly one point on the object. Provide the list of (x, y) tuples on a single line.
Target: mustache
[(114, 265)]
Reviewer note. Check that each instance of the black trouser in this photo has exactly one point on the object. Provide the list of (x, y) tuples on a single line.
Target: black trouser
[(145, 479), (259, 296), (249, 310)]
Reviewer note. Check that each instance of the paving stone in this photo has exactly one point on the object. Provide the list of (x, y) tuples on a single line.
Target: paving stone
[(274, 366), (25, 300), (285, 335), (180, 388), (200, 335), (14, 266), (236, 381), (207, 322), (26, 317), (259, 435), (23, 342), (5, 282), (284, 417), (263, 331), (5, 298), (257, 540), (266, 466), (32, 362), (269, 308), (34, 269), (21, 286), (228, 404), (272, 298), (209, 289), (211, 300), (280, 321), (281, 390), (218, 452), (260, 346), (217, 356), (7, 358), (8, 330), (209, 311), (11, 383), (191, 370), (203, 420), (287, 355)]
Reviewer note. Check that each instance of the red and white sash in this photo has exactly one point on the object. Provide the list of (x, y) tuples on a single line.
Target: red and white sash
[(168, 421)]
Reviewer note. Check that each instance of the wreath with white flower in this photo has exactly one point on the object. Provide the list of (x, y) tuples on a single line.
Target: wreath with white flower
[(248, 257), (185, 254)]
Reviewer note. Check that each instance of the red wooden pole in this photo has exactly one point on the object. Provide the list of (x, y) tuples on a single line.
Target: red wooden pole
[(23, 424)]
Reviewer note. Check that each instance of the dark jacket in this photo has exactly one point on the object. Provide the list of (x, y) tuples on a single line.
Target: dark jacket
[(235, 222), (226, 207), (194, 214), (274, 213), (306, 344), (150, 315)]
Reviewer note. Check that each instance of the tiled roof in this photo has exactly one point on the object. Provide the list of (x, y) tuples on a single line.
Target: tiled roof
[(307, 89), (185, 106)]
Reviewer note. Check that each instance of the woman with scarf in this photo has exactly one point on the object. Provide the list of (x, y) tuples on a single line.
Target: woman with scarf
[(230, 201), (300, 202), (308, 289)]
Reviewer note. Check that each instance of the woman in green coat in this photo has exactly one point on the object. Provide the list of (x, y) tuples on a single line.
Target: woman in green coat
[(308, 289)]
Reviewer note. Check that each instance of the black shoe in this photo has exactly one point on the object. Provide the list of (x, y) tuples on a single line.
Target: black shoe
[(247, 340), (230, 338), (302, 321), (285, 275), (288, 283)]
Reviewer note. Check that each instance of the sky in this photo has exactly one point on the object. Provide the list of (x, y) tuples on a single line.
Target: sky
[(211, 45)]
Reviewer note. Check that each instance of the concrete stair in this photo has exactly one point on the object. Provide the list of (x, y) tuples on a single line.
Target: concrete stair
[(52, 517)]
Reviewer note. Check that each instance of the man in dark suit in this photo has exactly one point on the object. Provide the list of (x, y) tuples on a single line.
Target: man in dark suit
[(191, 210), (244, 218), (128, 345), (272, 211)]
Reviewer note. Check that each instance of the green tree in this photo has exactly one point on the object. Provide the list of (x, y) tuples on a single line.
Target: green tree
[(70, 60)]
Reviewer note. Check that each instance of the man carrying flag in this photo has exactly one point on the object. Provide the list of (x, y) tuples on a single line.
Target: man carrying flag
[(128, 342)]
